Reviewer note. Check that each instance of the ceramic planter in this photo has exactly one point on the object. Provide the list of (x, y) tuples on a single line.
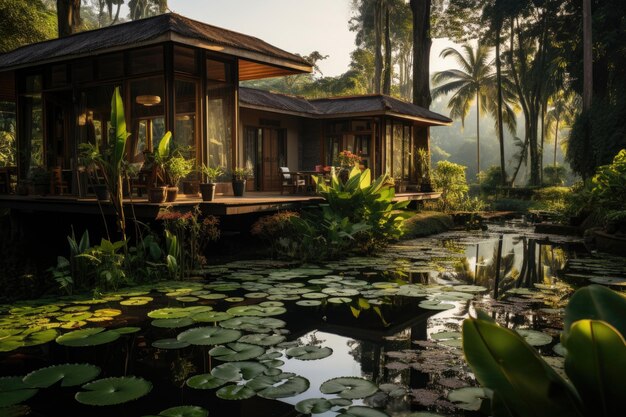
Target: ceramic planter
[(208, 191), (157, 194), (239, 187), (171, 194)]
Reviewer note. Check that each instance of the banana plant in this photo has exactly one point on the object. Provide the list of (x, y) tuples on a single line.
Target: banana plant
[(524, 385)]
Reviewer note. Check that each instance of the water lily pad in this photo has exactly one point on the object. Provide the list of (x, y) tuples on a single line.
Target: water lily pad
[(253, 324), (173, 323), (69, 374), (262, 339), (213, 296), (26, 338), (169, 344), (271, 304), (205, 336), (559, 349), (339, 300), (211, 316), (235, 392), (234, 299), (78, 316), (309, 303), (435, 305), (14, 391), (362, 411), (349, 387), (187, 299), (340, 292), (315, 295), (280, 386), (205, 381), (452, 339), (169, 313), (534, 337), (236, 352), (87, 337), (468, 398), (314, 406), (111, 391), (136, 301), (127, 330), (185, 411), (238, 371), (256, 310), (309, 352), (470, 288)]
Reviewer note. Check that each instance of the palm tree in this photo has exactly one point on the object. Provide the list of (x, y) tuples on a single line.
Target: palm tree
[(474, 81)]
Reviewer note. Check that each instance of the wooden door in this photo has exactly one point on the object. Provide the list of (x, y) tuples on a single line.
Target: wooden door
[(271, 179)]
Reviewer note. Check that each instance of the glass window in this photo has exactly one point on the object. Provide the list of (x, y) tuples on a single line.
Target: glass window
[(32, 132), (94, 113), (148, 115), (406, 165), (185, 131), (220, 111), (332, 149), (8, 146), (398, 150), (388, 149), (146, 60)]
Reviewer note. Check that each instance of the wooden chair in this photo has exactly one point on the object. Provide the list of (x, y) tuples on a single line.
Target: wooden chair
[(58, 184), (291, 180)]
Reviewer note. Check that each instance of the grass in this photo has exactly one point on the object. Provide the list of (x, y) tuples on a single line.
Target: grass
[(426, 223)]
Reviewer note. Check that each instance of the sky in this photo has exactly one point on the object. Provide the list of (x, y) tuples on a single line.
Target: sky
[(297, 26)]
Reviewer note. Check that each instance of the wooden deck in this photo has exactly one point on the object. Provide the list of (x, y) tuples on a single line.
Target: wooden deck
[(252, 202)]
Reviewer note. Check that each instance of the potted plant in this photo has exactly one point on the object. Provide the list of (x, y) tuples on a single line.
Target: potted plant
[(158, 190), (92, 158), (208, 188), (40, 178), (177, 167), (239, 181), (423, 168)]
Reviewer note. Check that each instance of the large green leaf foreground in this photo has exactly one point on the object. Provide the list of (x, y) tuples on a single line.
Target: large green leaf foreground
[(523, 384)]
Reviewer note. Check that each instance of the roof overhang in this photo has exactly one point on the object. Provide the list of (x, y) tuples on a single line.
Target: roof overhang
[(252, 65), (279, 111)]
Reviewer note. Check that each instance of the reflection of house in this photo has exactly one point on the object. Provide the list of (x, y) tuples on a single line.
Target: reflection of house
[(182, 75), (282, 130)]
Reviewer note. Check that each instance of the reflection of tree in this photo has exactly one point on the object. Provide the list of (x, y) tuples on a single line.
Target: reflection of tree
[(552, 258), (312, 339)]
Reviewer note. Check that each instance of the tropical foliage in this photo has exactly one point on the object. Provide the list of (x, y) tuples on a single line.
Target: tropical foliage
[(523, 384)]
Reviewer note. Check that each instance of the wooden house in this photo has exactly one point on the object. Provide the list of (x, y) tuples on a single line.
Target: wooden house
[(181, 75)]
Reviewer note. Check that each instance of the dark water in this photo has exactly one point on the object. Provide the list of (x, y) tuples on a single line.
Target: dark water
[(391, 319)]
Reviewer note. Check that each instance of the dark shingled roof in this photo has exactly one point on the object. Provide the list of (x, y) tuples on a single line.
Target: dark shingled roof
[(338, 106), (141, 32), (376, 103), (290, 104)]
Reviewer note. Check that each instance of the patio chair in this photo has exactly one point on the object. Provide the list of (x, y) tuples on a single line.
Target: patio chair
[(58, 184), (291, 180)]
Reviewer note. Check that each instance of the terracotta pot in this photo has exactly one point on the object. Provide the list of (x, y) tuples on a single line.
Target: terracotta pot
[(157, 194), (171, 194), (208, 191)]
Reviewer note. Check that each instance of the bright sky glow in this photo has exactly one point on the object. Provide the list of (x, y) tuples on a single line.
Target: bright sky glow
[(297, 26)]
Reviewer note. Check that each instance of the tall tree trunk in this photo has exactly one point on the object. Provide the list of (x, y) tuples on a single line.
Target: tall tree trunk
[(420, 10), (388, 64), (499, 103), (478, 132), (587, 56), (543, 136), (378, 40), (556, 140), (68, 17)]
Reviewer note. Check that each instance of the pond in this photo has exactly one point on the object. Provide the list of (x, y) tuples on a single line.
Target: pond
[(363, 336)]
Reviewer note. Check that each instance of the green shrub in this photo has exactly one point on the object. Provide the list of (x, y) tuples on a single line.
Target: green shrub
[(278, 232), (554, 175), (491, 179), (609, 183), (358, 216), (510, 204), (449, 179), (426, 223), (553, 198)]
